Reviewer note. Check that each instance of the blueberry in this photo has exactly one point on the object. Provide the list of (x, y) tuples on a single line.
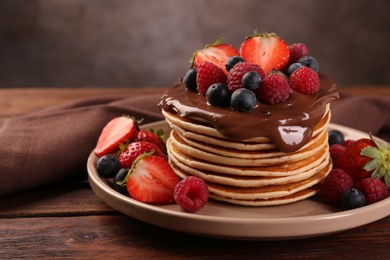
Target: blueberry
[(243, 100), (311, 62), (293, 67), (233, 61), (335, 137), (189, 80), (218, 95), (352, 199), (119, 177), (251, 80), (107, 166)]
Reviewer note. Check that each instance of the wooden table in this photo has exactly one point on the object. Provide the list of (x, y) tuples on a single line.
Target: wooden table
[(69, 220)]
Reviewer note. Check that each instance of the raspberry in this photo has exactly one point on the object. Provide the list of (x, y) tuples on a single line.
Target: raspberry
[(274, 89), (305, 81), (373, 189), (191, 194), (297, 51), (334, 185), (208, 74), (234, 78), (336, 150)]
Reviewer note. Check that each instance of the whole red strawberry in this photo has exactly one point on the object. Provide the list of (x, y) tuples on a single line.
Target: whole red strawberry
[(135, 149), (297, 51), (352, 162), (305, 81), (152, 137), (234, 79), (208, 74), (267, 50), (274, 89), (373, 189), (216, 53)]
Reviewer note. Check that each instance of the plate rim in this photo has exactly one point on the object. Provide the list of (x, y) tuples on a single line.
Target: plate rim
[(107, 194)]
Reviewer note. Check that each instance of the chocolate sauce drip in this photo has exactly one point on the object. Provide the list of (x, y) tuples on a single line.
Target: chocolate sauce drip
[(289, 124)]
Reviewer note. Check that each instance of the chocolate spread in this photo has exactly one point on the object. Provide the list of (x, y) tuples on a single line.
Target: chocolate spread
[(289, 124)]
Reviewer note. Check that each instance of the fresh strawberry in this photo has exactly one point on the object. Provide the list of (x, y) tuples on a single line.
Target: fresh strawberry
[(379, 160), (216, 53), (151, 180), (118, 131), (135, 149), (152, 137), (207, 75), (352, 161), (267, 50)]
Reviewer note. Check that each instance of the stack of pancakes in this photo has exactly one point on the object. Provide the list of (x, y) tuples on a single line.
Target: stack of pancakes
[(253, 172)]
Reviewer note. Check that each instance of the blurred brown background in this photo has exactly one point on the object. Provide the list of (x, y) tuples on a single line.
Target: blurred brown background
[(149, 42)]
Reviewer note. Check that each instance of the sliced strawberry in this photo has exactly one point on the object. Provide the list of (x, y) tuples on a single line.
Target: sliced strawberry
[(267, 50), (217, 53), (133, 150), (152, 180), (150, 136), (118, 131)]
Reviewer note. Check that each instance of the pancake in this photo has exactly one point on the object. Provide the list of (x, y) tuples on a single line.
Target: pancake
[(205, 155), (246, 181)]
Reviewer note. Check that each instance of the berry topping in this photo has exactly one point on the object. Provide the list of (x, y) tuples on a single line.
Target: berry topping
[(293, 67), (311, 62), (107, 166), (189, 80), (152, 137), (352, 199), (297, 51), (267, 50), (216, 53), (335, 184), (243, 100), (274, 89), (374, 189), (208, 74), (251, 80), (191, 194), (151, 180), (305, 81), (233, 61), (234, 79), (352, 161), (218, 95), (119, 178), (118, 131), (135, 149), (335, 137)]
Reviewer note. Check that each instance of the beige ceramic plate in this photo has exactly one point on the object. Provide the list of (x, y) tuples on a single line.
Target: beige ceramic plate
[(306, 218)]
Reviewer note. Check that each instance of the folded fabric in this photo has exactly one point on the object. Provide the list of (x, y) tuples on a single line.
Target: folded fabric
[(52, 145)]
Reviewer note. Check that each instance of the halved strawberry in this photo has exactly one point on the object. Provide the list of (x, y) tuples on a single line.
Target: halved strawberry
[(118, 131), (152, 180), (133, 150), (267, 50), (217, 53)]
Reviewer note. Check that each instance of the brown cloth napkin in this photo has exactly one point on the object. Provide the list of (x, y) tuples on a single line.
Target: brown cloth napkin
[(52, 145)]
